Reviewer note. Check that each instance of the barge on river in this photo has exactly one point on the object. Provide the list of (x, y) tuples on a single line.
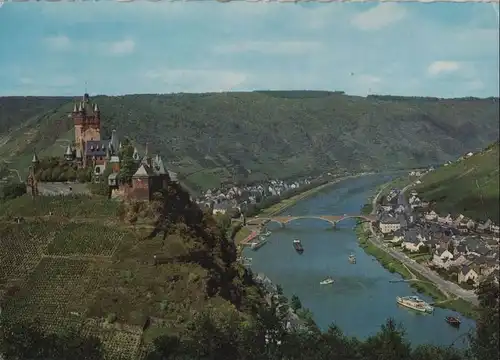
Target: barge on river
[(453, 321), (415, 303), (298, 246)]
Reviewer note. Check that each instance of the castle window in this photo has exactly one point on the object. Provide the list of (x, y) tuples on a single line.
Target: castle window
[(100, 157)]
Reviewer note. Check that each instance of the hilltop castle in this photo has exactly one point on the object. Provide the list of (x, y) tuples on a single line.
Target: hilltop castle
[(91, 151)]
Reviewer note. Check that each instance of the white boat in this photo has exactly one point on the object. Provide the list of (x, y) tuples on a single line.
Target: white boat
[(257, 244), (414, 303), (267, 233), (327, 281), (352, 259)]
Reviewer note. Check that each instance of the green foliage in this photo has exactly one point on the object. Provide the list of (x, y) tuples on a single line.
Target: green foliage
[(469, 187), (12, 190), (57, 169), (295, 303), (127, 165), (253, 136), (26, 341)]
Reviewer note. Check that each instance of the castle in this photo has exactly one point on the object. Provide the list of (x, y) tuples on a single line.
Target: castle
[(91, 151)]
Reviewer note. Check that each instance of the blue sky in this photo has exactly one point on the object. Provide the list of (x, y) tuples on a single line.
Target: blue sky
[(434, 49)]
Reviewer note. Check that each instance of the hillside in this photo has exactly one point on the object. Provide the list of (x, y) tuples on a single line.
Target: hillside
[(469, 186), (82, 284), (86, 269), (219, 136)]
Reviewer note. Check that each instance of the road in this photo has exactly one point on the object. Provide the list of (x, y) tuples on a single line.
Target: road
[(447, 287)]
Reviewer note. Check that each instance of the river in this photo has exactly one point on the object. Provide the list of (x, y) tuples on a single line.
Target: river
[(361, 299)]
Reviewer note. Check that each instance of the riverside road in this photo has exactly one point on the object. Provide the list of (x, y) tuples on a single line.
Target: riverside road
[(364, 294), (442, 284)]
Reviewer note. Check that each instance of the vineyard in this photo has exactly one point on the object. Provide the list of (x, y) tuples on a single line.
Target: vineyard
[(22, 247), (56, 293), (117, 344), (85, 239), (68, 206)]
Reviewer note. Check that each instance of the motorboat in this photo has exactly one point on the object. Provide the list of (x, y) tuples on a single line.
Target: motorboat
[(298, 246), (352, 259), (327, 281), (453, 321)]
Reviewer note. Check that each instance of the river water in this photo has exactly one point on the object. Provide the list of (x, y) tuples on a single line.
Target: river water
[(361, 299)]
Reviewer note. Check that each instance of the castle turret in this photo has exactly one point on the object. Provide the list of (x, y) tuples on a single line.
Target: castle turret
[(68, 155)]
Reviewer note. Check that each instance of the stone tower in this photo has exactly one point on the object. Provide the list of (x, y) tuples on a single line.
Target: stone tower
[(87, 119)]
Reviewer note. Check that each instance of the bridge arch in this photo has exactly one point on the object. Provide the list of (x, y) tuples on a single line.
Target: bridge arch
[(323, 218)]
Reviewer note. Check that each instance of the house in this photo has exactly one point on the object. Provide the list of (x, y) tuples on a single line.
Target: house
[(460, 260), (411, 241), (445, 220), (389, 224), (468, 274), (442, 258), (431, 216), (398, 235), (220, 208), (494, 229), (484, 226)]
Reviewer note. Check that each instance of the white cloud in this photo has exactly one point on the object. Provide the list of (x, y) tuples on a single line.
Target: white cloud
[(439, 67), (197, 80), (123, 47), (59, 43), (379, 17), (269, 47)]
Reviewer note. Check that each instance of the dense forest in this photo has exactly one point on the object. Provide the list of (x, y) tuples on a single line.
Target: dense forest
[(214, 137)]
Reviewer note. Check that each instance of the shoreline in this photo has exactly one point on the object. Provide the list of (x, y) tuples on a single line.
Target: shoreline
[(284, 204), (416, 280)]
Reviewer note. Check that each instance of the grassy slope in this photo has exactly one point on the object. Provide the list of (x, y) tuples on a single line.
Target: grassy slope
[(278, 134), (469, 187), (83, 265)]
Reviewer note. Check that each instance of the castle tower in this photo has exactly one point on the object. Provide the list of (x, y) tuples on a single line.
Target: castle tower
[(87, 120)]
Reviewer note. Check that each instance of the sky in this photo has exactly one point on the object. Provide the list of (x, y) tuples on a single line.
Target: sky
[(112, 47)]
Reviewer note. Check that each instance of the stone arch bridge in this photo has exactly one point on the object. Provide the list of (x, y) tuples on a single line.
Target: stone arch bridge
[(332, 219)]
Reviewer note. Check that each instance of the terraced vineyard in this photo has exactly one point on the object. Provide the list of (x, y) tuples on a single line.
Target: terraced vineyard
[(22, 247), (85, 239), (67, 206), (56, 293), (119, 344)]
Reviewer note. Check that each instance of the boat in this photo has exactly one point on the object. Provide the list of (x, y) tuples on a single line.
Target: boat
[(267, 233), (298, 246), (453, 321), (352, 259), (327, 281), (414, 303), (258, 244)]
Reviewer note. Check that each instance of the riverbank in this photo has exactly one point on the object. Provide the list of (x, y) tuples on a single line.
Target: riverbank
[(284, 204), (417, 281)]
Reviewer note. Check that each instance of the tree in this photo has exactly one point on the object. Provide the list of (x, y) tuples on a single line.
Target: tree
[(485, 342), (388, 344), (25, 341), (12, 191), (295, 303), (127, 162)]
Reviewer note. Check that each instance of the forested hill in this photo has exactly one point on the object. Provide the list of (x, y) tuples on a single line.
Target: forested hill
[(217, 136)]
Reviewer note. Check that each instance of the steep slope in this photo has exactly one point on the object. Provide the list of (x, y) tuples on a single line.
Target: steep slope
[(469, 186), (211, 137), (83, 269)]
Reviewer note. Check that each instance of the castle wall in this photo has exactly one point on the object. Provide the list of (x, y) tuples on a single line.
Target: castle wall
[(91, 133)]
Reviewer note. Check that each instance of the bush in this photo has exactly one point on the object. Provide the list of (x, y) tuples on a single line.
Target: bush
[(12, 191)]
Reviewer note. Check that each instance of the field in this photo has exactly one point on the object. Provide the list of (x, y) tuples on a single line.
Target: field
[(469, 186)]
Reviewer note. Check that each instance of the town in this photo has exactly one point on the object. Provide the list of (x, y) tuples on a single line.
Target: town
[(459, 249)]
